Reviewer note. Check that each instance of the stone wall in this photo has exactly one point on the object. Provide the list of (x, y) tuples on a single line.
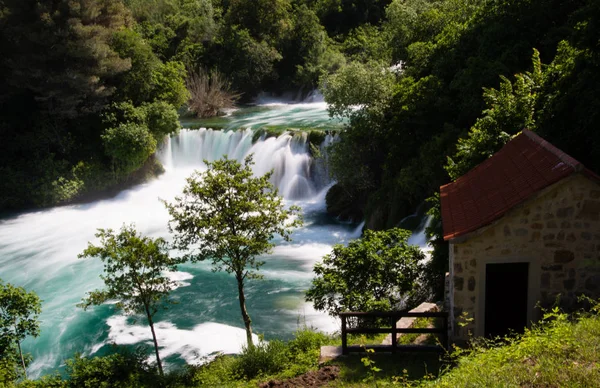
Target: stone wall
[(557, 232)]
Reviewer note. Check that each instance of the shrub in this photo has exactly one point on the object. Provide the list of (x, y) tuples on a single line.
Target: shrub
[(262, 359), (116, 370), (209, 93), (129, 145), (162, 119)]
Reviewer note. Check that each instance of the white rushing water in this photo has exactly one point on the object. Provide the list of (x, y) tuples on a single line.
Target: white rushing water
[(38, 250)]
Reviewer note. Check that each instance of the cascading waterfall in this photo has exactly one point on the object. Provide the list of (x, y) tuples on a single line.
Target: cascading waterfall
[(295, 174), (38, 251)]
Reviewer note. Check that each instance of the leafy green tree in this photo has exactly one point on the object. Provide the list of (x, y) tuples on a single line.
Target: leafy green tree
[(368, 86), (248, 62), (307, 52), (129, 145), (341, 16), (510, 110), (19, 311), (58, 53), (266, 20), (377, 272), (228, 216), (134, 268), (119, 370), (148, 79), (160, 117)]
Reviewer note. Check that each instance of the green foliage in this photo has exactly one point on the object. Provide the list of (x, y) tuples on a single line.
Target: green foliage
[(137, 81), (357, 87), (559, 352), (265, 361), (510, 109), (121, 370), (263, 358), (148, 79), (436, 268), (266, 20), (377, 272), (168, 82), (367, 43), (308, 52), (19, 311), (67, 64), (370, 364), (59, 56), (129, 145), (248, 62), (161, 118), (134, 268), (341, 16), (228, 216)]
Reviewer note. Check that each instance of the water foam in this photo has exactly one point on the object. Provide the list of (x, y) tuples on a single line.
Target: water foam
[(194, 346), (38, 250)]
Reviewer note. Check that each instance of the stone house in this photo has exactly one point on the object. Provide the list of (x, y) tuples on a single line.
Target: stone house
[(523, 227)]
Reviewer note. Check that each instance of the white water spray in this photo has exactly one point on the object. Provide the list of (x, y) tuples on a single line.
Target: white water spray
[(38, 250)]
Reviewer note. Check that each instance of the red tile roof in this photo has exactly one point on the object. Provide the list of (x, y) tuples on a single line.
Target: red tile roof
[(525, 165)]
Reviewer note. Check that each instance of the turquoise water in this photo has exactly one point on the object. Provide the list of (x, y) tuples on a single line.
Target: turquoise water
[(272, 115), (38, 250)]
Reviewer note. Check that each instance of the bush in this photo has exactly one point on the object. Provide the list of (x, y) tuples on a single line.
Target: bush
[(116, 370), (162, 119), (209, 93), (129, 145), (262, 359), (307, 340)]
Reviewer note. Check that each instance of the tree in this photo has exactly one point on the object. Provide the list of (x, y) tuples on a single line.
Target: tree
[(369, 86), (129, 145), (377, 272), (229, 216), (19, 311), (510, 110), (134, 268)]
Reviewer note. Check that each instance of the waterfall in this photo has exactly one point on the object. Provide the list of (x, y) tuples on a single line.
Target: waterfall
[(38, 250), (295, 173)]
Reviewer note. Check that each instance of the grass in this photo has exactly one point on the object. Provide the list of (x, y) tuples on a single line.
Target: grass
[(561, 353), (564, 351), (423, 339), (394, 369)]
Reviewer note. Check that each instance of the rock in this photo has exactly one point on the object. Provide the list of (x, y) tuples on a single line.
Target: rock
[(563, 257)]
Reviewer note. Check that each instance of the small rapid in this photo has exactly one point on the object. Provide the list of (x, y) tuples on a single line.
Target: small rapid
[(38, 250)]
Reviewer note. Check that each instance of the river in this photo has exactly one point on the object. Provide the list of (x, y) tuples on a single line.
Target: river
[(38, 250)]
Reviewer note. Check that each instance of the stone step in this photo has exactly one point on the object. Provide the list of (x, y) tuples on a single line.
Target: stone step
[(405, 323)]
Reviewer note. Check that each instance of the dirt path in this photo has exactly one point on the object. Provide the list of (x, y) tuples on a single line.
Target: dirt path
[(315, 378)]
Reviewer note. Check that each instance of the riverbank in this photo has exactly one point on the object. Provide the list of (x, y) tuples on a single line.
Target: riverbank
[(562, 352)]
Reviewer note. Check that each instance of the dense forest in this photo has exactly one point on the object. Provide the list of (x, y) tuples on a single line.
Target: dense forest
[(429, 88), (90, 87)]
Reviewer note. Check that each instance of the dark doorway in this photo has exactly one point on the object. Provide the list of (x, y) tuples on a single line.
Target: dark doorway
[(505, 298)]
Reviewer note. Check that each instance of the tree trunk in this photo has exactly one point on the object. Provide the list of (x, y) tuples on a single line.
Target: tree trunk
[(245, 316), (160, 369), (22, 360)]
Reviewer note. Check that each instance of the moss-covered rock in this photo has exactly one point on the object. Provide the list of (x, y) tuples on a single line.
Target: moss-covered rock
[(267, 132), (316, 137)]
